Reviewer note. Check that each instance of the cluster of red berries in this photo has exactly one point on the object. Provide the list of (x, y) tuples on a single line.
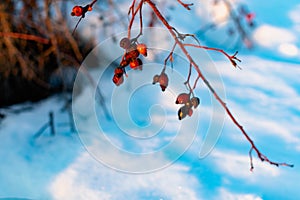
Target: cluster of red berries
[(188, 102), (131, 58)]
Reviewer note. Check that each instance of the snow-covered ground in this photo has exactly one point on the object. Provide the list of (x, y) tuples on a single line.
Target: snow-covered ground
[(101, 161)]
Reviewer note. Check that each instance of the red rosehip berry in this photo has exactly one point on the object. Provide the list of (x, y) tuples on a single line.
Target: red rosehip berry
[(136, 64), (163, 81), (142, 48), (155, 79), (132, 54), (125, 43), (182, 112), (77, 11), (195, 101), (118, 80), (119, 72), (124, 63), (182, 98)]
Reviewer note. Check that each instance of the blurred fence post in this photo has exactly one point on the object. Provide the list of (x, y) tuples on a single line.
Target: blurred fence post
[(51, 123)]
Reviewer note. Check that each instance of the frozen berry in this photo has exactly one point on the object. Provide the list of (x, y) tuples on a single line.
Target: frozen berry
[(125, 43), (132, 54), (142, 48), (118, 80), (136, 64), (195, 101), (163, 81), (183, 112), (124, 63), (77, 11), (182, 98), (119, 72), (155, 79)]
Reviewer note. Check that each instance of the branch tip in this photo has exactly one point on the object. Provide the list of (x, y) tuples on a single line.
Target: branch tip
[(186, 5)]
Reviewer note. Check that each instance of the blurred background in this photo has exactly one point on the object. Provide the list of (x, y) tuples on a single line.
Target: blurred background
[(42, 151)]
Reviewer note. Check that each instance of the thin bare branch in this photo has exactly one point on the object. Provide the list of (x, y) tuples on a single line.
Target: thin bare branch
[(24, 36), (232, 58), (134, 13), (185, 5)]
